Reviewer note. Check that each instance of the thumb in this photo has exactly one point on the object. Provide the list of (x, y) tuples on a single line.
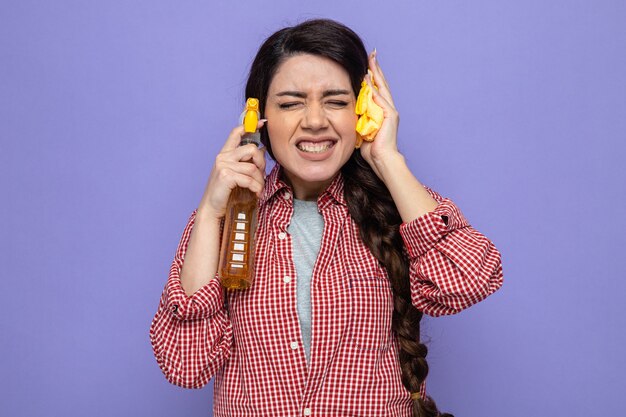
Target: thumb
[(234, 138)]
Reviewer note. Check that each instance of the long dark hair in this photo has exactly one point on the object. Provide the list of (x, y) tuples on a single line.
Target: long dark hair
[(369, 201)]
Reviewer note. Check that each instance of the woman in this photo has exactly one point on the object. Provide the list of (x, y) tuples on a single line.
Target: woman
[(351, 249)]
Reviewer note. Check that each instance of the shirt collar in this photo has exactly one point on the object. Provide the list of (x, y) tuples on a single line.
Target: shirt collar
[(275, 186)]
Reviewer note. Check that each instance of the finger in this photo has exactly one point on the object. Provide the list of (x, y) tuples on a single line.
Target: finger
[(245, 159), (255, 165), (258, 159), (380, 79), (234, 138), (380, 99), (234, 179), (225, 170), (250, 170), (384, 93), (245, 153), (383, 90)]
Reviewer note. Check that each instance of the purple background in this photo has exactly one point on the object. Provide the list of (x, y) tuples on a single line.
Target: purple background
[(112, 112)]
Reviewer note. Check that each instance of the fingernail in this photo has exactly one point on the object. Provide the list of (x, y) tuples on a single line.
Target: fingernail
[(263, 120)]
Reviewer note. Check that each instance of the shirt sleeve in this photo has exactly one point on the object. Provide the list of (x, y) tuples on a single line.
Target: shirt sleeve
[(191, 336), (452, 265)]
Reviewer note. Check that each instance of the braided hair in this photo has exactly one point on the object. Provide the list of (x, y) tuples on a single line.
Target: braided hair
[(379, 223), (372, 208)]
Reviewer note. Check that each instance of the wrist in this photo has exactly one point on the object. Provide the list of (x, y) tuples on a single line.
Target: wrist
[(388, 164), (206, 215)]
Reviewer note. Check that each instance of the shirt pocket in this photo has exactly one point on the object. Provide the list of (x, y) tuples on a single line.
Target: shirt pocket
[(371, 312)]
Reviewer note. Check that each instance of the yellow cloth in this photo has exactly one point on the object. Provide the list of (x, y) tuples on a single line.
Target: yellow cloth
[(371, 114)]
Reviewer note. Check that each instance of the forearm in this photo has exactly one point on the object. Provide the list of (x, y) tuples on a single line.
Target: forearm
[(202, 256), (191, 337), (409, 195)]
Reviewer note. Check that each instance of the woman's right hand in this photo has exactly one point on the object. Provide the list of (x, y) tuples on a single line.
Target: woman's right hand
[(235, 166)]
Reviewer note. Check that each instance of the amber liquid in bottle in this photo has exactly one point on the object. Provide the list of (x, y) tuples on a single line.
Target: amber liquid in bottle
[(236, 268)]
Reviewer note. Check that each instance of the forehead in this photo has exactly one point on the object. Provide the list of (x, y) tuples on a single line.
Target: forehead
[(306, 72)]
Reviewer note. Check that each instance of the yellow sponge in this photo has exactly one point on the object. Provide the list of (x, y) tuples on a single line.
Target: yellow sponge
[(371, 114)]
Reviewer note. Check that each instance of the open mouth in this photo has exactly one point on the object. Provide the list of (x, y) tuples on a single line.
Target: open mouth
[(315, 147)]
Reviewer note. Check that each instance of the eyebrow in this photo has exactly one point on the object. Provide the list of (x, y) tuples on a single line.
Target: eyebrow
[(299, 94)]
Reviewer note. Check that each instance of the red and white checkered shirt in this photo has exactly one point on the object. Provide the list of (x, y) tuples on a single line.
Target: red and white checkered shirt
[(250, 340)]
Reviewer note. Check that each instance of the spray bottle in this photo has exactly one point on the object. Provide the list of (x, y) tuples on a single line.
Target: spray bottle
[(236, 267)]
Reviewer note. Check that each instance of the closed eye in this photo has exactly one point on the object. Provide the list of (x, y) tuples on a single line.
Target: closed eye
[(287, 105), (338, 103)]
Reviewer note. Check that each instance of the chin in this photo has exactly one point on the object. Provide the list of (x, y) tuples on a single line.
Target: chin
[(314, 180), (318, 174)]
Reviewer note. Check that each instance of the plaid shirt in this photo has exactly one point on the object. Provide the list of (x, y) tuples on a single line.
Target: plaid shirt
[(250, 341)]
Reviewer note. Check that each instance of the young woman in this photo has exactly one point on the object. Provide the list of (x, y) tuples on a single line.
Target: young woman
[(351, 249)]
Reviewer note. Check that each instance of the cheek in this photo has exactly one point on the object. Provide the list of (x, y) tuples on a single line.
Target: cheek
[(279, 136), (349, 120), (348, 126), (277, 131)]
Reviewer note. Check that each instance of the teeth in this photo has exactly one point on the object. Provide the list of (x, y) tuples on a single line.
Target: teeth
[(315, 147)]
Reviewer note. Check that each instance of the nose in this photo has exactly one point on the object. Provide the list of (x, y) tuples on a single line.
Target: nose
[(315, 117)]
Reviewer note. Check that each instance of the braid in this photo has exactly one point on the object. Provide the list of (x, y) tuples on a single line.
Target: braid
[(372, 208)]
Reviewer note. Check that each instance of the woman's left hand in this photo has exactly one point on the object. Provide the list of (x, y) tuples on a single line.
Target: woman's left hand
[(384, 146)]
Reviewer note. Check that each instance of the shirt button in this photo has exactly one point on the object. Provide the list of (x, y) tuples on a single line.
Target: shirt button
[(282, 235), (286, 279), (287, 196), (307, 412), (294, 345)]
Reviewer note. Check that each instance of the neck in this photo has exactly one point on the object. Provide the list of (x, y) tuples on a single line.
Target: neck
[(307, 191)]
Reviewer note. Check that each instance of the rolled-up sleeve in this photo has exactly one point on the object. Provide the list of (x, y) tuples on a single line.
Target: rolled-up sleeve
[(452, 265), (191, 336)]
